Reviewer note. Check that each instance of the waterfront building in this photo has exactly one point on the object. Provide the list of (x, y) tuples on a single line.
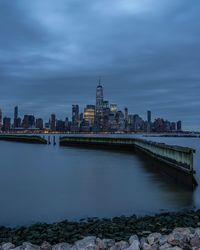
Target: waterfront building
[(149, 116), (28, 121), (18, 122), (120, 120), (105, 104), (126, 118), (39, 123), (138, 123), (60, 126), (17, 119), (159, 125), (15, 116), (67, 124), (6, 124), (179, 126), (53, 122), (75, 114), (130, 122), (1, 119), (47, 125), (167, 126), (75, 118), (148, 125), (173, 126), (113, 107), (89, 114), (85, 126)]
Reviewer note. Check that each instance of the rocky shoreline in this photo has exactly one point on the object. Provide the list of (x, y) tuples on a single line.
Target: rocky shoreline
[(164, 231)]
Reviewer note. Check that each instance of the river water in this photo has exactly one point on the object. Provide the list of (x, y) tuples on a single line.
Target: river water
[(46, 183)]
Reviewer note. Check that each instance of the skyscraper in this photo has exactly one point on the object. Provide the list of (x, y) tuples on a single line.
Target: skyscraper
[(179, 126), (6, 124), (75, 114), (53, 122), (113, 107), (1, 119), (149, 116), (15, 117), (89, 114), (39, 123), (99, 107), (126, 117), (28, 121), (99, 97), (75, 118), (148, 121)]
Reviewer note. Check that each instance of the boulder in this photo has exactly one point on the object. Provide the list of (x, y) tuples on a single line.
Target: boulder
[(7, 246), (121, 245), (105, 243), (195, 242), (46, 246), (29, 246), (153, 238), (132, 238), (88, 243), (165, 246), (134, 246), (62, 246)]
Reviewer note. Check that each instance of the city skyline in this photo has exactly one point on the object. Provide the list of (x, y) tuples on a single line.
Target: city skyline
[(146, 53), (102, 116)]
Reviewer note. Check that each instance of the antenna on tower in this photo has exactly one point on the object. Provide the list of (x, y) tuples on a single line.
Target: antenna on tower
[(99, 80)]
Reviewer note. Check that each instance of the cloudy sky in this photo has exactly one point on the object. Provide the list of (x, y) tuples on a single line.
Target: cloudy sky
[(146, 51)]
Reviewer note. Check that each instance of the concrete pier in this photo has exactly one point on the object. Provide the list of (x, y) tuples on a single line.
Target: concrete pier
[(175, 161), (23, 138)]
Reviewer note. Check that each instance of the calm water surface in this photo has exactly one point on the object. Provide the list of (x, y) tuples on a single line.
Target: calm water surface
[(49, 184)]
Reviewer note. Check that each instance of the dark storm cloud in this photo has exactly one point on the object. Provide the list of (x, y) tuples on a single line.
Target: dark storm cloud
[(147, 52)]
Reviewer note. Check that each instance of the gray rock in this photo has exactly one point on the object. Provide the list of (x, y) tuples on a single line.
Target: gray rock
[(7, 246), (46, 246), (173, 248), (88, 243), (165, 246), (163, 240), (29, 246), (105, 243), (121, 245), (182, 230), (143, 240), (19, 248), (134, 246), (197, 232), (132, 238), (62, 246), (195, 242), (179, 237), (153, 238), (146, 246)]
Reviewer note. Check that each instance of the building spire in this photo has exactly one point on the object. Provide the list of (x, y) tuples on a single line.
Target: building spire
[(99, 80)]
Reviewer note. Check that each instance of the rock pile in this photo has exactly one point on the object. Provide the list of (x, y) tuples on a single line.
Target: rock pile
[(179, 239)]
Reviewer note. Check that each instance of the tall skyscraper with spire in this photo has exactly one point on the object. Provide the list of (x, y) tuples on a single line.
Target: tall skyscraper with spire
[(99, 105), (99, 97)]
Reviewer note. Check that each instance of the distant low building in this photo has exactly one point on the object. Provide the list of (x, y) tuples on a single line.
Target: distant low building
[(6, 124), (39, 123)]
